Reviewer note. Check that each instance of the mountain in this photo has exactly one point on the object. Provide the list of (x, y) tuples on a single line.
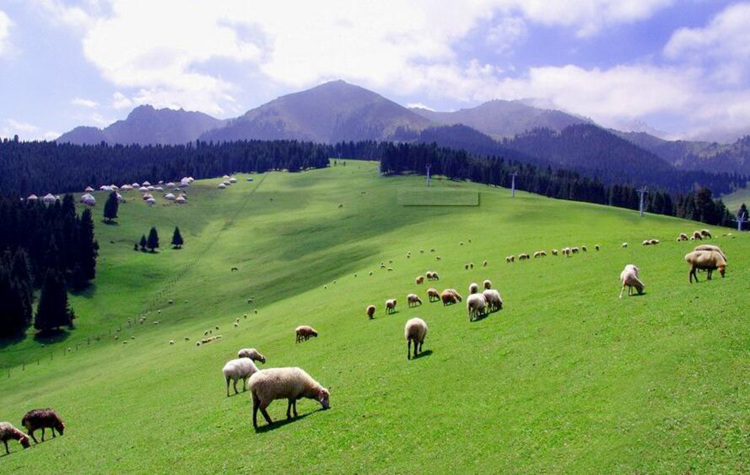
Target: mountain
[(332, 112), (504, 118), (146, 126)]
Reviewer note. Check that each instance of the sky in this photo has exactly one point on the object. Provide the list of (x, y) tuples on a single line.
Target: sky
[(679, 67)]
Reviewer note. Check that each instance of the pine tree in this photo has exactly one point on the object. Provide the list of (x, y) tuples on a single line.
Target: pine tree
[(743, 212), (88, 248), (153, 240), (111, 207), (177, 241), (53, 312), (143, 243)]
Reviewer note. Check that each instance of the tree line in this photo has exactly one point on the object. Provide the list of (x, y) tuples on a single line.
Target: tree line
[(43, 167), (47, 247), (563, 184)]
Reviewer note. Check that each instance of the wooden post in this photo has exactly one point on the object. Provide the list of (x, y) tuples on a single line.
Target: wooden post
[(642, 193), (513, 185)]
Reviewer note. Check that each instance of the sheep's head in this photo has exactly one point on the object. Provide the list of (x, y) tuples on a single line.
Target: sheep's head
[(60, 426), (722, 270), (323, 397), (262, 359), (25, 442)]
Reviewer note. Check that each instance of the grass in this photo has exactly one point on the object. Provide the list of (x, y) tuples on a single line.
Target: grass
[(566, 378), (735, 199), (437, 197)]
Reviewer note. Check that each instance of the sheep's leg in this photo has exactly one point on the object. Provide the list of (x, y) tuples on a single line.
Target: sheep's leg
[(693, 273), (42, 434), (53, 433), (235, 387), (31, 433), (244, 384), (289, 409), (622, 290), (710, 271), (7, 452), (265, 413), (228, 386), (408, 349), (256, 403), (294, 408)]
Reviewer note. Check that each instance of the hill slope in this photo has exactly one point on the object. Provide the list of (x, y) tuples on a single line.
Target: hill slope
[(146, 126), (504, 118), (565, 378), (332, 112)]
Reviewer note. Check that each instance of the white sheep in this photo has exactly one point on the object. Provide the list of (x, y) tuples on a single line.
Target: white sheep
[(416, 331), (476, 305), (473, 288), (251, 353), (705, 260), (370, 311), (240, 368), (629, 277), (624, 244), (284, 383), (487, 284), (433, 295), (494, 301), (390, 306), (710, 247), (9, 432), (413, 300)]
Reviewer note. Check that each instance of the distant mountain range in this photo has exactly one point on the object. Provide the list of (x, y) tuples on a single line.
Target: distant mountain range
[(337, 111)]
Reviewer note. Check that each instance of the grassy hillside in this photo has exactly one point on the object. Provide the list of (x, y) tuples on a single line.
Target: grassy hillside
[(735, 199), (565, 378)]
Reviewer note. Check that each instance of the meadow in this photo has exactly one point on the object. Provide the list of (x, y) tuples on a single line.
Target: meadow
[(566, 378)]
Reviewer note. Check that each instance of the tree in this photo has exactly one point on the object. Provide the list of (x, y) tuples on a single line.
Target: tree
[(53, 311), (177, 241), (111, 207), (14, 309), (743, 211), (143, 243), (87, 245), (153, 240)]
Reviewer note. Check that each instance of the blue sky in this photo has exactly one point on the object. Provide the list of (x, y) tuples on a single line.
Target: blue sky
[(680, 67)]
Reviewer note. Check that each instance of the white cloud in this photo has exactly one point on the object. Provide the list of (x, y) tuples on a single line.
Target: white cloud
[(78, 101), (506, 33), (25, 130), (120, 101), (5, 25), (723, 44), (419, 105)]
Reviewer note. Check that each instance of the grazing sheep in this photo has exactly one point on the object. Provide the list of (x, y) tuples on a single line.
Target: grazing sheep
[(251, 353), (705, 233), (42, 419), (710, 247), (432, 275), (466, 266), (8, 432), (450, 296), (419, 279), (705, 260), (629, 277), (487, 284), (413, 300), (484, 264), (171, 342), (654, 242), (696, 236), (583, 248), (566, 251), (596, 247), (370, 311), (304, 332), (473, 288), (240, 368), (523, 256), (471, 265), (682, 237), (624, 244), (433, 295), (476, 305), (438, 258), (416, 331), (647, 242), (511, 258), (574, 250), (554, 252), (537, 254), (493, 299), (284, 383), (390, 306)]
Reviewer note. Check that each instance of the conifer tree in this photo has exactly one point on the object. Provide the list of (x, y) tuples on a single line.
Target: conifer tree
[(143, 243), (153, 240), (111, 207), (177, 240), (53, 312)]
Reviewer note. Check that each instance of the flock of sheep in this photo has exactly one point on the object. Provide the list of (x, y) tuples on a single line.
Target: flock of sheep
[(33, 420)]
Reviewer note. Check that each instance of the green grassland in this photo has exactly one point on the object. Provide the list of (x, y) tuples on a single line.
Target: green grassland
[(735, 199), (566, 378)]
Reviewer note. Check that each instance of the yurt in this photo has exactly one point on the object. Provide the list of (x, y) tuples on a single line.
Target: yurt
[(32, 197), (88, 189), (145, 183), (49, 198), (233, 180), (221, 186), (143, 189), (151, 201), (169, 196), (181, 200)]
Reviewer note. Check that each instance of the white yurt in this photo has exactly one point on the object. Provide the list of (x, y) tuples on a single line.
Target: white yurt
[(233, 180), (151, 188), (225, 177), (147, 196), (151, 201), (159, 188), (49, 198), (169, 196), (105, 188), (88, 189), (143, 189), (221, 186), (135, 185), (32, 197), (181, 200), (146, 183), (126, 187), (170, 184)]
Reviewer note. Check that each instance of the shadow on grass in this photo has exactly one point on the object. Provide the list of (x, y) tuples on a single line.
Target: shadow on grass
[(281, 422), (423, 354), (54, 336), (87, 292), (231, 394), (481, 317), (12, 340), (110, 223)]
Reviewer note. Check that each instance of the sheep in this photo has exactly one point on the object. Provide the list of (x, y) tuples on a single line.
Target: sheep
[(42, 419), (450, 296), (696, 236), (476, 305), (416, 331), (487, 284), (251, 353), (433, 295), (647, 242), (471, 265), (171, 342), (705, 260), (432, 275), (629, 277), (523, 256), (284, 383), (8, 432), (537, 254), (413, 300), (682, 237), (596, 247), (419, 280), (473, 288), (484, 264), (390, 306), (554, 252), (493, 299), (705, 233), (240, 368), (566, 251), (466, 266), (304, 332), (710, 247), (654, 242), (624, 245), (370, 310), (583, 248), (438, 258), (574, 250)]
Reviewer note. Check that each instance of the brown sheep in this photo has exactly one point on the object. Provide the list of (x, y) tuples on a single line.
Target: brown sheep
[(433, 295), (412, 300), (419, 280), (696, 236), (305, 332), (390, 306), (705, 260), (42, 419), (710, 247), (370, 311), (450, 296)]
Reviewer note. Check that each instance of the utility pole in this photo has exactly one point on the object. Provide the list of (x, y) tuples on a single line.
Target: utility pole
[(642, 194), (741, 219), (428, 175), (513, 185)]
